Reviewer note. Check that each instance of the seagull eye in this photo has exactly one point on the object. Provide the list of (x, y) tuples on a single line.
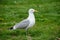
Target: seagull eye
[(31, 10)]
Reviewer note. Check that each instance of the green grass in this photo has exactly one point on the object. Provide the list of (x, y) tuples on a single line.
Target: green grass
[(47, 26)]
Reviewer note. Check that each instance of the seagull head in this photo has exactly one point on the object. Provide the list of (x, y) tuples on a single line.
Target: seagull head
[(32, 10)]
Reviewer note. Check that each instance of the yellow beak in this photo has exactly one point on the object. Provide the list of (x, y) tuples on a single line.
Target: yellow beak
[(35, 10)]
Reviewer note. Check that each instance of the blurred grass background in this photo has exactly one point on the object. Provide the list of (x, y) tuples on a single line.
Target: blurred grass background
[(47, 26)]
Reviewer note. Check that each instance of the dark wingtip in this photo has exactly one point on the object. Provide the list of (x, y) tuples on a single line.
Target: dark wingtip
[(11, 28)]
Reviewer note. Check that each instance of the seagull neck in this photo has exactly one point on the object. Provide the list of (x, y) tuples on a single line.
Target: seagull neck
[(31, 16)]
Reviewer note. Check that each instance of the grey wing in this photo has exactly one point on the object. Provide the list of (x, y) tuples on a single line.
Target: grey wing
[(23, 24)]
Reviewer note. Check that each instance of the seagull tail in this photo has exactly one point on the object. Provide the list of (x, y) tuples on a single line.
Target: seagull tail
[(10, 28)]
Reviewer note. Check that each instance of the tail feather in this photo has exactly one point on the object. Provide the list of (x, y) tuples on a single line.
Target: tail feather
[(11, 28)]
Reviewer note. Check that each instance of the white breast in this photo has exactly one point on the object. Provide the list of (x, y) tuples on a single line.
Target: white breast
[(32, 22), (31, 18)]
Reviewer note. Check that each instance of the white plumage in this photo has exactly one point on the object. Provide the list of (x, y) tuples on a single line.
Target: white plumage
[(27, 23)]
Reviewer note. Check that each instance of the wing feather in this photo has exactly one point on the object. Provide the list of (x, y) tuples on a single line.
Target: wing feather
[(23, 24)]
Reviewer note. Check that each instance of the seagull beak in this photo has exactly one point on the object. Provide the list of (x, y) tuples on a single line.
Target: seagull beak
[(35, 10)]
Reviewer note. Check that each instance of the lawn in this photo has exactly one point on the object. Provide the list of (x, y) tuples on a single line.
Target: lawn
[(47, 26)]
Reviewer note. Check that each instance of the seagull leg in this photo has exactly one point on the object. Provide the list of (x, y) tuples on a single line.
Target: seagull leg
[(28, 35), (26, 31)]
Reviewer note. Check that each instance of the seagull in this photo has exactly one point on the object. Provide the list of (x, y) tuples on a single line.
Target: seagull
[(26, 23)]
